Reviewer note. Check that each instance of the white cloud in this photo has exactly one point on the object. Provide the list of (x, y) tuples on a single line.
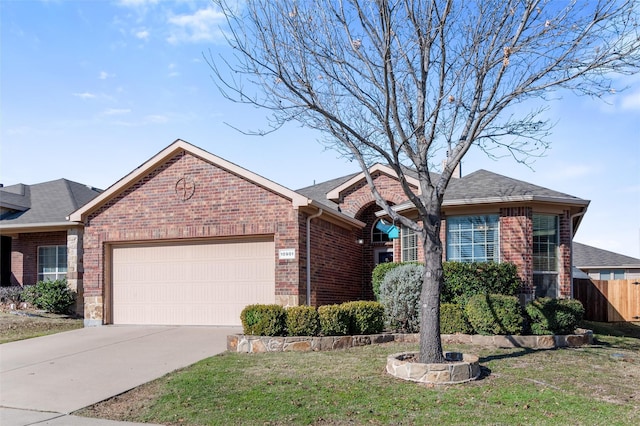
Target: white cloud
[(136, 3), (104, 75), (85, 95), (142, 34), (631, 101), (116, 111), (201, 26)]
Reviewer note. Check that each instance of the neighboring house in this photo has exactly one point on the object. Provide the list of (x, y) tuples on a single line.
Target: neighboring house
[(35, 232), (190, 238), (603, 265)]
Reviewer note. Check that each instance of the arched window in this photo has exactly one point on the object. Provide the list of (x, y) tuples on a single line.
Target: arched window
[(377, 234)]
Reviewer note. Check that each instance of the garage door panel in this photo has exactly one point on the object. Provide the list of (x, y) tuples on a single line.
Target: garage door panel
[(196, 283)]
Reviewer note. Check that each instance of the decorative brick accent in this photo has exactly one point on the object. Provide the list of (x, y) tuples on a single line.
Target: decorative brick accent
[(516, 242)]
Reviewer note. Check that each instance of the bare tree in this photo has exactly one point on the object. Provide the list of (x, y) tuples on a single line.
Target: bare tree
[(407, 81)]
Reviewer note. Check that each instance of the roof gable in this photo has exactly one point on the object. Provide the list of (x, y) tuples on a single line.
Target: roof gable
[(297, 199), (336, 192)]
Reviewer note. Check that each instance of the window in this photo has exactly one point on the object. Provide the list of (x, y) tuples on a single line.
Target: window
[(473, 238), (378, 235), (614, 274), (545, 255), (52, 263), (409, 245), (618, 274)]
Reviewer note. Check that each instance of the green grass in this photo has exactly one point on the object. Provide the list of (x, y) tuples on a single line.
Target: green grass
[(581, 386)]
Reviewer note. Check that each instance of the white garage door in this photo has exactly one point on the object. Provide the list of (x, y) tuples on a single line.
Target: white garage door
[(191, 284)]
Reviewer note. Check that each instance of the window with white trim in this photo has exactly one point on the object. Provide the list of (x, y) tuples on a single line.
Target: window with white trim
[(545, 254), (473, 238), (377, 235), (52, 263), (409, 246)]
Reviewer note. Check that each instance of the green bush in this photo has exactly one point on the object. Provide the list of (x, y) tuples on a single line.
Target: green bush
[(495, 314), (12, 294), (302, 321), (52, 296), (264, 320), (400, 296), (380, 271), (334, 320), (554, 316), (463, 280), (453, 320), (365, 317)]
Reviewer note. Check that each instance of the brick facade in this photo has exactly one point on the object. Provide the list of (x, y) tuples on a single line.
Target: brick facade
[(219, 204), (24, 254)]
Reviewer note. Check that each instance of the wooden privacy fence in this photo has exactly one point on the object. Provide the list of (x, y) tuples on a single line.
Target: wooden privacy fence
[(609, 301)]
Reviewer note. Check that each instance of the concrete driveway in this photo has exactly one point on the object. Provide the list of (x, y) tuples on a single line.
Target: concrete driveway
[(58, 374)]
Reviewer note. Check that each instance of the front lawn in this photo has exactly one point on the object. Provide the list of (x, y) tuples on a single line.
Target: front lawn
[(589, 385), (25, 324)]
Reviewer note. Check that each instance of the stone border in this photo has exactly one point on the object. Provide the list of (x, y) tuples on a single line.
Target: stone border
[(257, 344), (459, 368)]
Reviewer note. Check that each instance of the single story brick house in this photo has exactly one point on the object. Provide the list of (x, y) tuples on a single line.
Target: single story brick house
[(35, 232), (190, 238)]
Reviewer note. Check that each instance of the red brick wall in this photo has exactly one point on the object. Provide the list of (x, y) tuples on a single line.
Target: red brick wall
[(336, 264), (516, 242), (222, 205), (24, 254), (359, 196)]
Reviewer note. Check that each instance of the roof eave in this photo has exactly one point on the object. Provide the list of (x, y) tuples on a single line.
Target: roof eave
[(116, 189), (18, 228)]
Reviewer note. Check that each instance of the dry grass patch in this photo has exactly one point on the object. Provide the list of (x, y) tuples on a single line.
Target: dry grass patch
[(25, 324)]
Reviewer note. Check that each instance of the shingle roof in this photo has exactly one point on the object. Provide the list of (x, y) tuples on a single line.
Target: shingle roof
[(585, 256), (42, 203), (483, 184), (479, 186)]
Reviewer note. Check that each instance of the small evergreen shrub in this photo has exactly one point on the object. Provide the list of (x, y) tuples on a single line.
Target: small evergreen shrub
[(302, 321), (495, 314), (453, 319), (334, 320), (365, 317), (264, 320), (554, 316), (52, 296), (378, 274), (400, 296), (12, 294), (465, 279)]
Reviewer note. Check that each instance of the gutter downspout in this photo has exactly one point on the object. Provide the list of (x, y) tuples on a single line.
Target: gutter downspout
[(309, 254), (571, 256)]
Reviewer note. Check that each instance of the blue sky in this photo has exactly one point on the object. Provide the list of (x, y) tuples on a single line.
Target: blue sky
[(89, 90)]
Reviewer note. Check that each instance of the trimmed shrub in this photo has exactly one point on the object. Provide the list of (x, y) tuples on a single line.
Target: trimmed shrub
[(381, 269), (334, 320), (302, 321), (400, 296), (365, 317), (453, 320), (52, 296), (463, 280), (495, 314), (11, 294), (554, 316), (263, 320)]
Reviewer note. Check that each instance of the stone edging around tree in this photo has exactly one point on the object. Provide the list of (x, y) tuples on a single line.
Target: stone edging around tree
[(257, 344)]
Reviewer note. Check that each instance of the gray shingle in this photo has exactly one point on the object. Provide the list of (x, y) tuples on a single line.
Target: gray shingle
[(585, 256), (49, 202)]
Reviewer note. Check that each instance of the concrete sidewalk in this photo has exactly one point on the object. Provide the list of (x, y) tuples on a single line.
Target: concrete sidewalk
[(44, 379)]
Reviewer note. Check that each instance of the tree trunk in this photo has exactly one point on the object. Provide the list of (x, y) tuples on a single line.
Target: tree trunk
[(430, 342)]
